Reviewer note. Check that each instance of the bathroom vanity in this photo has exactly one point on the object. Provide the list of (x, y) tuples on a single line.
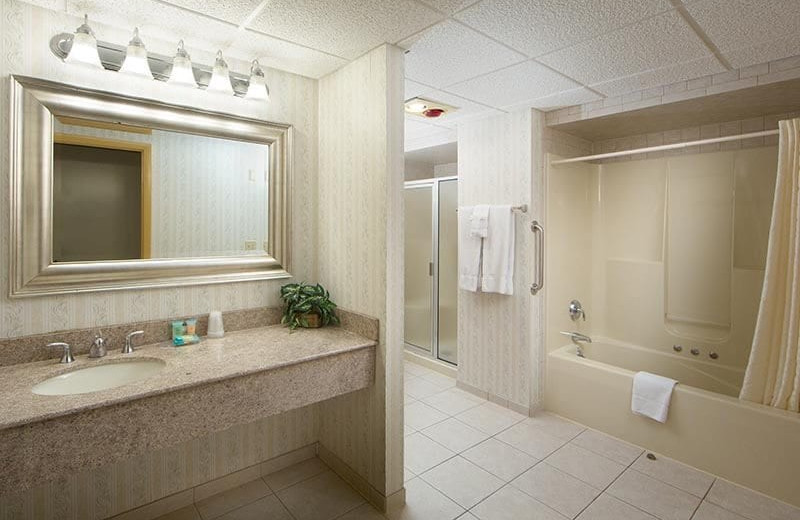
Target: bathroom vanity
[(208, 387)]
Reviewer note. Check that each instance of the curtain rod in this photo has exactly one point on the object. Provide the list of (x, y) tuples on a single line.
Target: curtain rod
[(663, 147)]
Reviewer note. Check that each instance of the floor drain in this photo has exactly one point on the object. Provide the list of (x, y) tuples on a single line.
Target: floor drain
[(651, 456)]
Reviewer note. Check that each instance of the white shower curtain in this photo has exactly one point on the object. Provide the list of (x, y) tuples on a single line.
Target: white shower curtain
[(773, 372)]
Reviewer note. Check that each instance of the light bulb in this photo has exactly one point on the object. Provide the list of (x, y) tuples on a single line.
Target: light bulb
[(182, 73), (84, 47), (220, 79), (257, 89), (136, 62)]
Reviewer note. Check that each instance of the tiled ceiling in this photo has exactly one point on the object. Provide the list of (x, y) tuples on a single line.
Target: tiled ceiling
[(484, 56)]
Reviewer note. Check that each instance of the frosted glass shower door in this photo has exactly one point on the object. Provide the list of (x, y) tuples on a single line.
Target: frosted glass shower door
[(448, 271), (419, 267)]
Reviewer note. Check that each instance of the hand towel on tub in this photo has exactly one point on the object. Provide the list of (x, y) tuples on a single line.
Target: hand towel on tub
[(479, 221), (651, 395), (469, 251), (498, 252)]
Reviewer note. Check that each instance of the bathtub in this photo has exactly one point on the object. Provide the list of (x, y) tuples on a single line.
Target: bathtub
[(708, 426)]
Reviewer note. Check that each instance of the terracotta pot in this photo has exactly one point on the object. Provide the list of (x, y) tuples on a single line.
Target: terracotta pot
[(313, 321)]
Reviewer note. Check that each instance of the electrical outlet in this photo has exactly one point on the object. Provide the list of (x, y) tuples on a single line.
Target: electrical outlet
[(249, 245)]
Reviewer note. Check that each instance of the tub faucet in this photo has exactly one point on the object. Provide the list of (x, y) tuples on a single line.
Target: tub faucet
[(577, 338)]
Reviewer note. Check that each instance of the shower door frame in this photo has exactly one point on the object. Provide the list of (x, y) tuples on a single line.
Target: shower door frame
[(433, 184)]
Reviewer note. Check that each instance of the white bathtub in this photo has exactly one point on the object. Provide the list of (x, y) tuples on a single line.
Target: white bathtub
[(708, 426)]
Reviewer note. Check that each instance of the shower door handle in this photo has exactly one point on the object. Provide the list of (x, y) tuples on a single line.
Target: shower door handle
[(538, 232)]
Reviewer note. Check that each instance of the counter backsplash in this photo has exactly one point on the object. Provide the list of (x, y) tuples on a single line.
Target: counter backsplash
[(26, 349)]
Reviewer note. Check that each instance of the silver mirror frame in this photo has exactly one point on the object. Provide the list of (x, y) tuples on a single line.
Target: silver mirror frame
[(34, 105)]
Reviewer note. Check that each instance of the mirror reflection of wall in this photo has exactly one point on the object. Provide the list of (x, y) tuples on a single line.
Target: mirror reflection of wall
[(124, 192)]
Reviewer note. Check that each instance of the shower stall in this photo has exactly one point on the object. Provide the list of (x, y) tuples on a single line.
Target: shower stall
[(431, 266)]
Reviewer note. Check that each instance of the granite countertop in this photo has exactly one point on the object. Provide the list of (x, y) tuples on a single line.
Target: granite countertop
[(238, 354)]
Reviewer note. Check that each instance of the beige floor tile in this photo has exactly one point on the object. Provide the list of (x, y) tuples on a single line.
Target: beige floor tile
[(422, 453), (419, 388), (455, 435), (512, 504), (323, 497), (266, 508), (556, 426), (467, 516), (606, 507), (294, 474), (424, 502), (651, 495), (408, 474), (227, 482), (184, 513), (566, 494), (217, 505), (750, 504), (490, 418), (500, 459), (462, 481), (407, 430), (419, 415), (675, 474), (594, 469), (415, 369), (365, 512), (607, 446), (531, 440), (708, 511), (453, 401), (440, 380)]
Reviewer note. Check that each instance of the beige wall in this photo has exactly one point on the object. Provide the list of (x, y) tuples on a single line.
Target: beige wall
[(360, 251), (498, 336), (24, 34), (623, 236)]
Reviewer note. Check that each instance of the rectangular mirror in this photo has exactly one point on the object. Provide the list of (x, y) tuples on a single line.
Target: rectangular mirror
[(110, 192)]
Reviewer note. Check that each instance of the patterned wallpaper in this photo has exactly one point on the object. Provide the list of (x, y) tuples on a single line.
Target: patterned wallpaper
[(24, 34), (499, 337), (360, 251), (209, 195)]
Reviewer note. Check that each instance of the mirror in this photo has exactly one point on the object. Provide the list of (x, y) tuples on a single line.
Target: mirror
[(111, 192), (123, 193)]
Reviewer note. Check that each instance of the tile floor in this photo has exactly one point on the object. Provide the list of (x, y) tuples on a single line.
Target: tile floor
[(470, 459)]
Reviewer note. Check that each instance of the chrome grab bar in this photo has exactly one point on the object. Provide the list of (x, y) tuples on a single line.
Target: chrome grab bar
[(538, 230)]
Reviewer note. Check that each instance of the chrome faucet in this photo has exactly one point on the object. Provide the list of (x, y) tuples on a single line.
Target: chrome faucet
[(577, 338), (128, 348), (98, 348), (67, 357)]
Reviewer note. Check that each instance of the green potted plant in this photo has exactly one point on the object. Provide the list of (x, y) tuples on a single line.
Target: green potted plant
[(307, 306)]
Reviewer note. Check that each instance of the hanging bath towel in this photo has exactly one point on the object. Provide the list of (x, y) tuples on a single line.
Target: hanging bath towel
[(498, 252), (469, 252)]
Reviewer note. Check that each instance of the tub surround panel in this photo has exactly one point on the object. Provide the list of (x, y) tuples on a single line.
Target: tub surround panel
[(263, 371)]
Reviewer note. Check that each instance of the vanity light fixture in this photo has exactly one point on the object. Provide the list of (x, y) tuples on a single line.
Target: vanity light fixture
[(136, 62), (182, 73), (258, 89), (220, 77), (84, 47)]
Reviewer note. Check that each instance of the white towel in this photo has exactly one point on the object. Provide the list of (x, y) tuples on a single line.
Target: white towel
[(469, 252), (651, 395), (479, 221), (498, 252)]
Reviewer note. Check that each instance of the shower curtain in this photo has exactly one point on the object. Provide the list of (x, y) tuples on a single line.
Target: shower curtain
[(773, 372)]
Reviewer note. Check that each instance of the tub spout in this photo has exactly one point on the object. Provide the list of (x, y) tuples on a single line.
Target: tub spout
[(577, 338)]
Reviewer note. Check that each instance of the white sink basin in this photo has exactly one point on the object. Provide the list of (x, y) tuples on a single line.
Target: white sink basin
[(101, 377)]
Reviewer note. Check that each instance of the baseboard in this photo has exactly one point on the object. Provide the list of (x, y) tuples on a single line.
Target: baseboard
[(232, 480), (375, 497), (519, 408), (438, 366)]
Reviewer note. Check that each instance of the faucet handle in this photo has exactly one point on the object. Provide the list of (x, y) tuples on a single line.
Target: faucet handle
[(67, 357), (128, 348)]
